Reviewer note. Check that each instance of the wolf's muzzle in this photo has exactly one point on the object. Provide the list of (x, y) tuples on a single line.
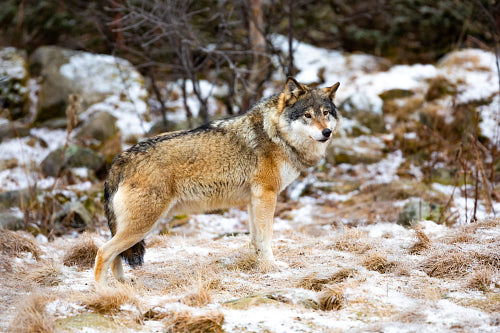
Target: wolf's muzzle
[(326, 132)]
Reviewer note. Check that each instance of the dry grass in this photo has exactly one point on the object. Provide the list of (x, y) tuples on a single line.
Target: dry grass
[(48, 275), (5, 263), (32, 316), (376, 260), (82, 254), (482, 279), (332, 298), (186, 322), (200, 297), (423, 242), (14, 243), (455, 261), (446, 263), (158, 241), (244, 260), (110, 300), (351, 240), (317, 282)]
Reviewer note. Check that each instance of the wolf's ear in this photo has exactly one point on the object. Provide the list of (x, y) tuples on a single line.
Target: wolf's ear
[(293, 90), (332, 90)]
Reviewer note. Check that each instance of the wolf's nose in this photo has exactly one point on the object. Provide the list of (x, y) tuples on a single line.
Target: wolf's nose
[(326, 132)]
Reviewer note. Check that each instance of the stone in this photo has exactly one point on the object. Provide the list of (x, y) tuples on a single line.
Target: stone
[(15, 198), (94, 77), (418, 210), (14, 92), (14, 129), (100, 127), (11, 221), (75, 157), (73, 215)]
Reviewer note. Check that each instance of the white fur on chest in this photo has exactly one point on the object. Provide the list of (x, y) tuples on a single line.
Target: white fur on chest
[(288, 174)]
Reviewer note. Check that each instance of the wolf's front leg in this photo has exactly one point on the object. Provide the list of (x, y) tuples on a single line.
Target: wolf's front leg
[(261, 217)]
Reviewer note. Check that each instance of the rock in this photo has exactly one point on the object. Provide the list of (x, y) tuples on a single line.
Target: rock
[(355, 150), (100, 127), (14, 198), (75, 157), (11, 222), (73, 215), (396, 93), (13, 129), (417, 210), (94, 77), (14, 93), (306, 298)]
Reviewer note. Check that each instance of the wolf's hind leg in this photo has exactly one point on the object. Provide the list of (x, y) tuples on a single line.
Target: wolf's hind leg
[(117, 269), (110, 251)]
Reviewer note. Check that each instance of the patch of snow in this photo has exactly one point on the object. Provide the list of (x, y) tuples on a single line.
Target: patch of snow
[(490, 119)]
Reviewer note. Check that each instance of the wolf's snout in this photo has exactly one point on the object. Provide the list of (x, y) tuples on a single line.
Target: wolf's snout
[(326, 132)]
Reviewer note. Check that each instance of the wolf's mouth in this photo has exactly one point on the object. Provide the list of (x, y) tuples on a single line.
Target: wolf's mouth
[(320, 140)]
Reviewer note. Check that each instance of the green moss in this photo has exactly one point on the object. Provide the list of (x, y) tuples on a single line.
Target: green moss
[(87, 320)]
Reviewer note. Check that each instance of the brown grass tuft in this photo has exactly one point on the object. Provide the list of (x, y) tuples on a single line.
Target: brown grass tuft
[(181, 322), (442, 263), (110, 300), (423, 242), (351, 240), (5, 263), (32, 316), (48, 275), (13, 243), (376, 260), (200, 297), (317, 281), (332, 298), (82, 254), (482, 279), (244, 260), (457, 261), (158, 241)]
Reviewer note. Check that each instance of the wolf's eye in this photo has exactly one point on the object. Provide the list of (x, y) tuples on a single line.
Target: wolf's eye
[(307, 115), (325, 113)]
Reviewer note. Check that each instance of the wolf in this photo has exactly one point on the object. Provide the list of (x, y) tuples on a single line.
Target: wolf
[(242, 160)]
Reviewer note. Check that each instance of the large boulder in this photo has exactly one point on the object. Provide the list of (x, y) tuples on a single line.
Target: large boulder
[(73, 157), (95, 77), (14, 93)]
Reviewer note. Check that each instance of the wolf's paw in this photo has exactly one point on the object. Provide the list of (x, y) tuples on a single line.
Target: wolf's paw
[(127, 280), (280, 264)]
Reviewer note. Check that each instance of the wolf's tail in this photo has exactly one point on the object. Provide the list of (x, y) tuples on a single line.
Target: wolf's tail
[(134, 256)]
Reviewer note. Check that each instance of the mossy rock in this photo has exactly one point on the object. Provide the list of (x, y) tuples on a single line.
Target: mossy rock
[(13, 129), (100, 127), (92, 321), (445, 176), (74, 157), (418, 210), (14, 93), (395, 93)]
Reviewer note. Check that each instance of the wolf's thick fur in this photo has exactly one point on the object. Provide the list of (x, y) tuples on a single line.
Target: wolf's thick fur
[(243, 160)]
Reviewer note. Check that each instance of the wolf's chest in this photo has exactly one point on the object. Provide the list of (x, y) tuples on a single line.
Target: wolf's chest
[(288, 174)]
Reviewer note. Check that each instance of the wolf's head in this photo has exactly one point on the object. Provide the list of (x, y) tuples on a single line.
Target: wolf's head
[(308, 116)]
